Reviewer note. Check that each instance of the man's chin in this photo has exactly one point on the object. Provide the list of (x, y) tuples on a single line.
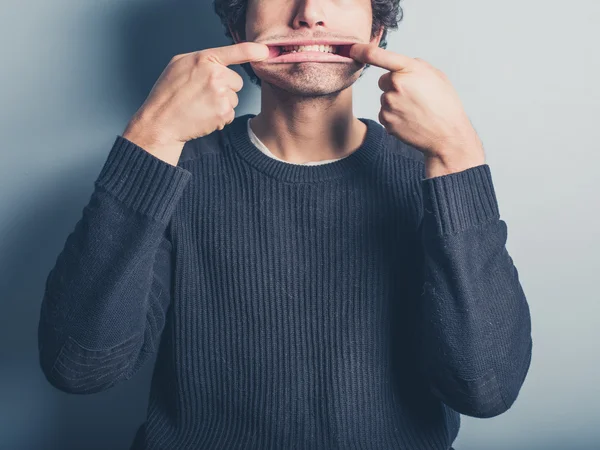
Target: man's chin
[(311, 91), (308, 86)]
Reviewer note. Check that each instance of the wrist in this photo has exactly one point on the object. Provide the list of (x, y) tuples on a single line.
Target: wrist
[(452, 161), (152, 141)]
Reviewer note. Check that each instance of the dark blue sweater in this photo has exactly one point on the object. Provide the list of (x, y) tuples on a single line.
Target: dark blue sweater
[(350, 305)]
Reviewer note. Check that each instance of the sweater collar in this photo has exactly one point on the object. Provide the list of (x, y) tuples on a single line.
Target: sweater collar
[(237, 133)]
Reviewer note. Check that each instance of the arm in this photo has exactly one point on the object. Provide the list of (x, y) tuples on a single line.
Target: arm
[(476, 332), (106, 298)]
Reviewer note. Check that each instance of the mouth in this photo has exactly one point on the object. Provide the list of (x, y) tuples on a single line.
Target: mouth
[(309, 51)]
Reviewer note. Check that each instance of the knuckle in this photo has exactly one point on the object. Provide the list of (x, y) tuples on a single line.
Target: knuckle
[(235, 100), (231, 116), (226, 119), (239, 83), (384, 100), (381, 117), (424, 62), (224, 108), (198, 58), (214, 80), (396, 83), (385, 117)]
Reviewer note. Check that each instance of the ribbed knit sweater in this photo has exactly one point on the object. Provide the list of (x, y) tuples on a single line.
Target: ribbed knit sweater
[(349, 305)]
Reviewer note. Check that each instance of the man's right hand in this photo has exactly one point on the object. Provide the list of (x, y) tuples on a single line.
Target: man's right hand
[(194, 96)]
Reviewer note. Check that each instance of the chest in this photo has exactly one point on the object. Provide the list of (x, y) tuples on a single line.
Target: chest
[(268, 240)]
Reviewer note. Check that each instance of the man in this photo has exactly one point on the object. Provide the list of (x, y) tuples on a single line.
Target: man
[(316, 281)]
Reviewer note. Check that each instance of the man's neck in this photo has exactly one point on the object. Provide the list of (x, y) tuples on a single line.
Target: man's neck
[(300, 129)]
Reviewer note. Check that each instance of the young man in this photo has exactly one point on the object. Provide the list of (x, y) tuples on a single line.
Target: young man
[(315, 280)]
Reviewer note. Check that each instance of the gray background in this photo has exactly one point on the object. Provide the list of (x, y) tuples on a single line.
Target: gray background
[(74, 71)]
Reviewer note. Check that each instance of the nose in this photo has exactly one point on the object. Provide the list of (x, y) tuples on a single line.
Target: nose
[(309, 14)]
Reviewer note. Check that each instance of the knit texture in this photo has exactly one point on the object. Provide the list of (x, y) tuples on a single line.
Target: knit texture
[(348, 305)]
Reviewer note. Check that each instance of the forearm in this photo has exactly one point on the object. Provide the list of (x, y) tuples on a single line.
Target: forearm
[(96, 294), (477, 329), (109, 275)]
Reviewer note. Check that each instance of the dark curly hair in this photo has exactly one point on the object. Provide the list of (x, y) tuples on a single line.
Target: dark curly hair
[(386, 13)]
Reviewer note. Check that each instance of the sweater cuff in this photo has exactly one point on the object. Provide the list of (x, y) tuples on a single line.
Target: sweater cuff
[(457, 201), (141, 180)]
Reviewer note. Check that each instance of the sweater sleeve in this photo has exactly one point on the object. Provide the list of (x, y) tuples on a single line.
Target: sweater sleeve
[(106, 297), (476, 330)]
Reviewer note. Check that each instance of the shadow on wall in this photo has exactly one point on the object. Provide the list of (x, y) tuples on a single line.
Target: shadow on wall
[(34, 415), (153, 36)]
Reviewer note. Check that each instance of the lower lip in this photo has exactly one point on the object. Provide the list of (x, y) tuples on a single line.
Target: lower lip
[(308, 57)]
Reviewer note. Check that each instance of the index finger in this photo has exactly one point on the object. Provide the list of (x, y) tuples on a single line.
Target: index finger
[(377, 56), (239, 53)]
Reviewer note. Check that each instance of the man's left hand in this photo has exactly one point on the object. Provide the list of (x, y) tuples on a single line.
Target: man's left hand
[(420, 106)]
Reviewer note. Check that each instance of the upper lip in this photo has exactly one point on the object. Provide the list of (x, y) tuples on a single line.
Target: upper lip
[(309, 42)]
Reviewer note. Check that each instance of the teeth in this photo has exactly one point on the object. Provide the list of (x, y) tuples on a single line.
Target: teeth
[(309, 48)]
